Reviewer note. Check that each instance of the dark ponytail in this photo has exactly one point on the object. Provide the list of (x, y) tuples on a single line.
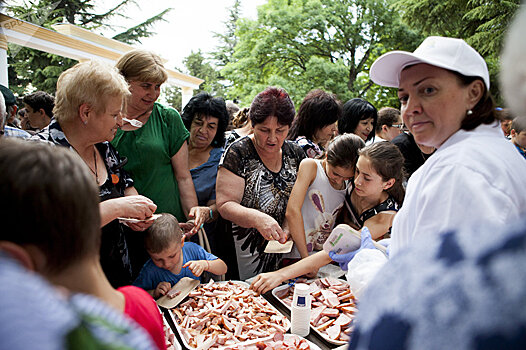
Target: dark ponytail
[(388, 162), (343, 150)]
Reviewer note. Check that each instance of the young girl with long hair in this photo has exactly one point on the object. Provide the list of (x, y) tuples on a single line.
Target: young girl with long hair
[(378, 192), (319, 193), (372, 202)]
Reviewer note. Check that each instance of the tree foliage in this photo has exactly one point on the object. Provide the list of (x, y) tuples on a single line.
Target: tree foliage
[(198, 65), (481, 23), (306, 44), (224, 52), (41, 70)]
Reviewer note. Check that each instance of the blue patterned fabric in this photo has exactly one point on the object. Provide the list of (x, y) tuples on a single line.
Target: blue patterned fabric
[(34, 315), (463, 289), (15, 132)]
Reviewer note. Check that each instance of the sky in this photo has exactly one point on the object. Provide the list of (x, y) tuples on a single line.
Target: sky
[(189, 27)]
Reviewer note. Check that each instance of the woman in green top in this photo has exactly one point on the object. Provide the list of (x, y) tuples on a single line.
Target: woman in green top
[(157, 152)]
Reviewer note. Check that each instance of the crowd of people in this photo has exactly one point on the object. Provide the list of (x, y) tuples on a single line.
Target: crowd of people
[(108, 187)]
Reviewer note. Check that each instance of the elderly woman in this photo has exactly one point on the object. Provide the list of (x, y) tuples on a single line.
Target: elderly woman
[(206, 118), (87, 113), (359, 117), (475, 173), (315, 124), (157, 152), (254, 182)]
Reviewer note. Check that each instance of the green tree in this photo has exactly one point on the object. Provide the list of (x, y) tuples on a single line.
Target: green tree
[(197, 65), (224, 52), (173, 96), (481, 23), (306, 44), (40, 69)]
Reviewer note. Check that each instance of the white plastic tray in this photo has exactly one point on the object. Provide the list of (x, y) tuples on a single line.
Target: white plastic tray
[(276, 290), (178, 328)]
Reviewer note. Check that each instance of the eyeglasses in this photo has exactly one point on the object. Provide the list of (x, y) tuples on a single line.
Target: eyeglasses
[(398, 126)]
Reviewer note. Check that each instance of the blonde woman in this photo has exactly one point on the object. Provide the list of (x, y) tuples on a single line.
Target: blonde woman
[(89, 100)]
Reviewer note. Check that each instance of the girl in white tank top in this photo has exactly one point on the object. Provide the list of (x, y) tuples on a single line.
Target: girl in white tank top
[(319, 194)]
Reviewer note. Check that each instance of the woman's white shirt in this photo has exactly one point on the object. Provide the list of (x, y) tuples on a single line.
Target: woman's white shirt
[(475, 175)]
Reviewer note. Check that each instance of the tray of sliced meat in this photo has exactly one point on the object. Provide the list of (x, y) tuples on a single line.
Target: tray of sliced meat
[(333, 308), (171, 340), (279, 341), (219, 314)]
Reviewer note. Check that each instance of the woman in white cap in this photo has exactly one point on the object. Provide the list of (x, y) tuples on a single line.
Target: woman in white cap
[(443, 87)]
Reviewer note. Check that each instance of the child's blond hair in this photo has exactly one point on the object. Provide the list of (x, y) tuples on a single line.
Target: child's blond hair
[(163, 232)]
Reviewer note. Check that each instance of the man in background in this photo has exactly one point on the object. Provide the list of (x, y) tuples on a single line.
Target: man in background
[(9, 112)]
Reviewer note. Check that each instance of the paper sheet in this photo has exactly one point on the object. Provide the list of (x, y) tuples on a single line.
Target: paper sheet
[(276, 247), (185, 286)]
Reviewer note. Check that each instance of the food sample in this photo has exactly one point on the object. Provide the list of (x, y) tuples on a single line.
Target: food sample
[(278, 342), (225, 314), (333, 308)]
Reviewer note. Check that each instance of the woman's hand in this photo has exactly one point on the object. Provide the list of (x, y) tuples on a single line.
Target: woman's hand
[(199, 215), (137, 207), (266, 281), (197, 266), (270, 229), (140, 226), (162, 289)]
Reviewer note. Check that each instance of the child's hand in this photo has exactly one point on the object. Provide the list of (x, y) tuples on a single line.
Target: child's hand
[(162, 289), (197, 266)]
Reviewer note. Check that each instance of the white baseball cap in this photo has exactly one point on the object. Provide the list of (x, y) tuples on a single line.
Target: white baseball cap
[(448, 53)]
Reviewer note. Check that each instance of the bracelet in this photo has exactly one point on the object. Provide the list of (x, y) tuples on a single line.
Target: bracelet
[(211, 214)]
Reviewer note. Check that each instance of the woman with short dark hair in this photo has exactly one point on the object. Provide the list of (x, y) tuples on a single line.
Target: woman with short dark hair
[(359, 117), (315, 124), (254, 182), (206, 118)]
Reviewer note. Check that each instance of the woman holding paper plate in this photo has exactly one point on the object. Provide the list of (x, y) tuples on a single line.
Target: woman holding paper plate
[(254, 181), (89, 100)]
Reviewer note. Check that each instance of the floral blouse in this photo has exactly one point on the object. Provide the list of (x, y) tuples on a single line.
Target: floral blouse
[(265, 191), (311, 149)]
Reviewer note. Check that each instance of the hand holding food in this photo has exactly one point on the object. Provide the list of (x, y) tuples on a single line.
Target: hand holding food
[(270, 229), (266, 281), (199, 215), (137, 207), (162, 289)]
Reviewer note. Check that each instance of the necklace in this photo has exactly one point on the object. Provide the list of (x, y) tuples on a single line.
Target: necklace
[(94, 163)]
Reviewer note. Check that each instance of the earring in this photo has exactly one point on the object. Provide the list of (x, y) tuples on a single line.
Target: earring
[(469, 112), (85, 122)]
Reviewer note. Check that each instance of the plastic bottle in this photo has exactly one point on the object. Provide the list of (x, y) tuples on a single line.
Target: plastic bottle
[(343, 239), (300, 313)]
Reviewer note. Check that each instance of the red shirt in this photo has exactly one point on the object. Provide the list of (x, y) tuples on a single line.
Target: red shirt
[(140, 306)]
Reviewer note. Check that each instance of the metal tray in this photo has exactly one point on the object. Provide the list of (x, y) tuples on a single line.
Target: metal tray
[(312, 346), (167, 328), (178, 328), (277, 290)]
